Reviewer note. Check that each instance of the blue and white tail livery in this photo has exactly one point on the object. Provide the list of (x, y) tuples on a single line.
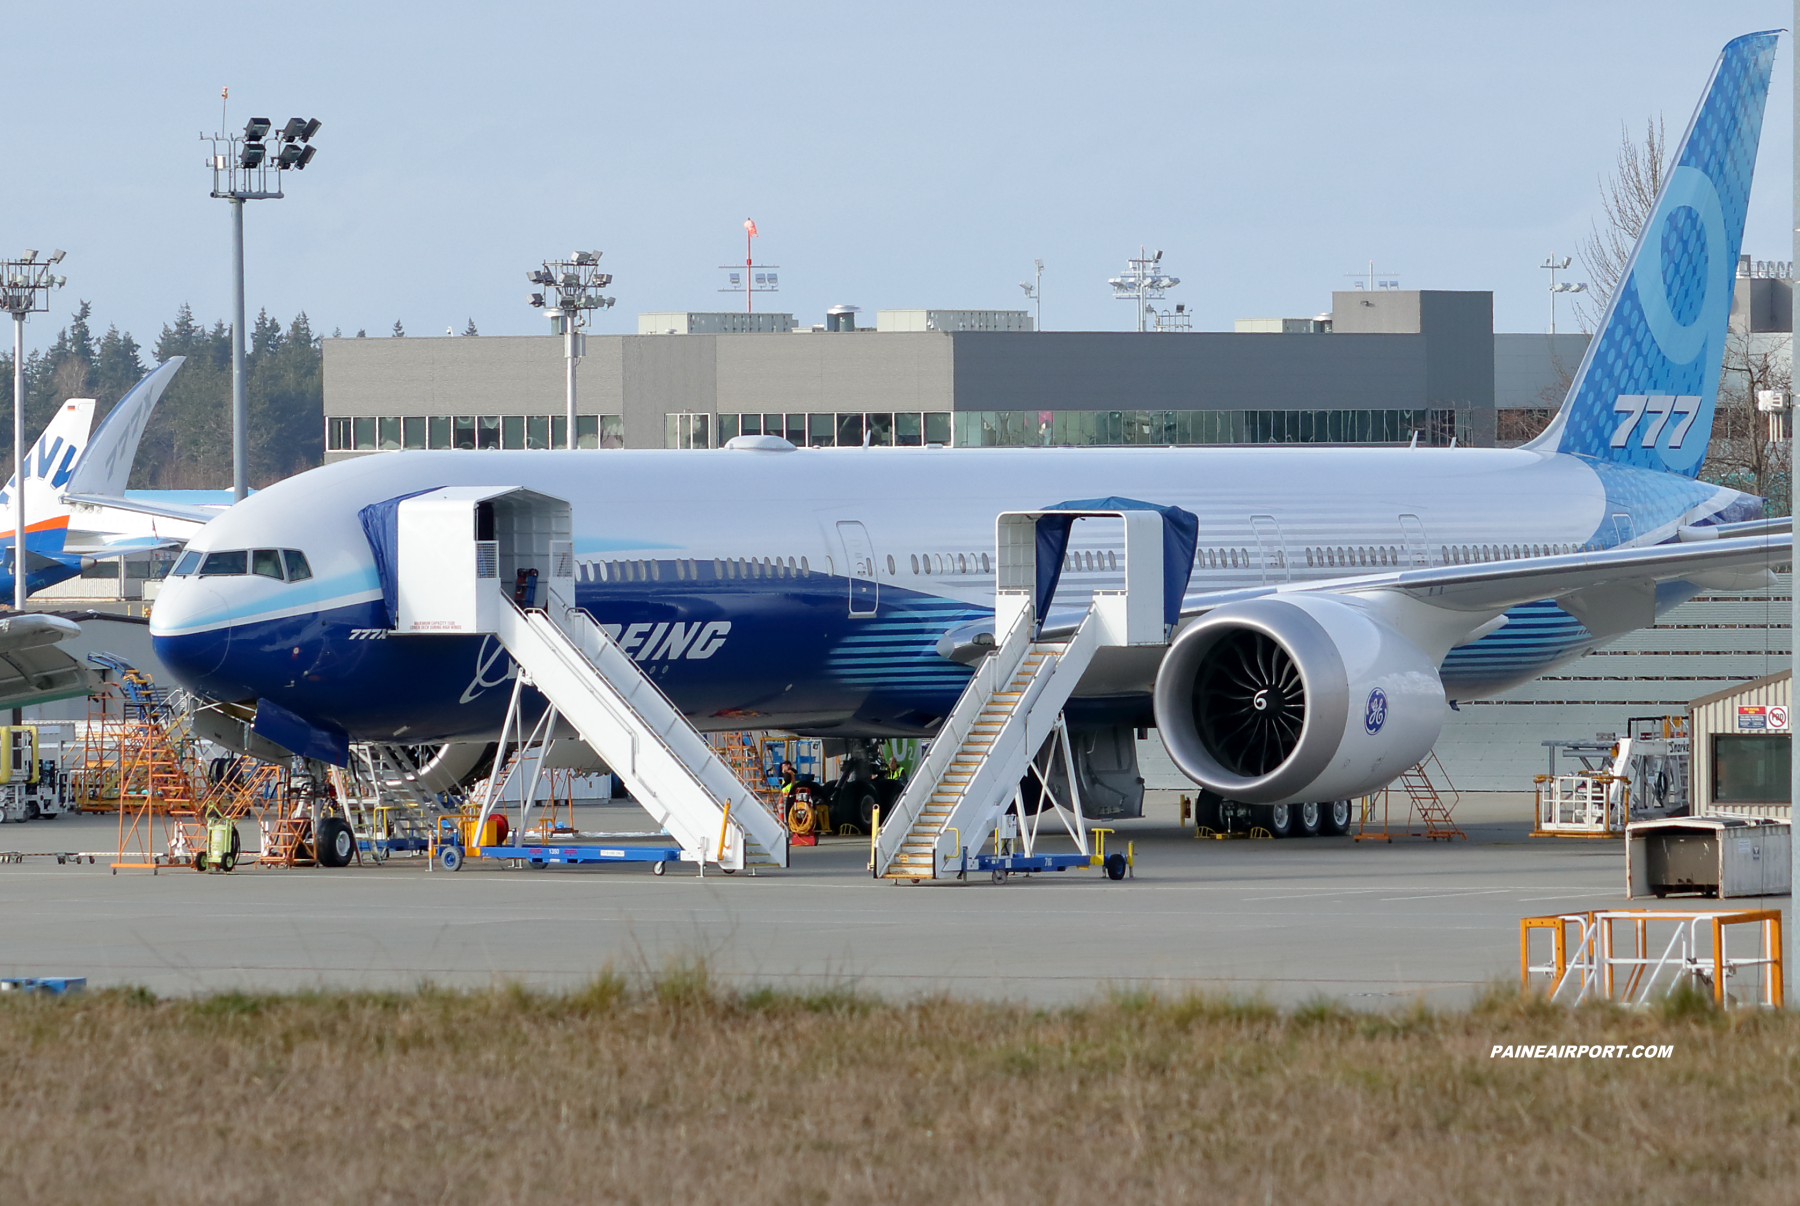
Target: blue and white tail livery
[(1645, 391)]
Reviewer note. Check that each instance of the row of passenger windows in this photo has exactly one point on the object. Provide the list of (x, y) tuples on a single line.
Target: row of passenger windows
[(937, 564), (1474, 554), (947, 563), (287, 565), (1354, 556), (688, 569)]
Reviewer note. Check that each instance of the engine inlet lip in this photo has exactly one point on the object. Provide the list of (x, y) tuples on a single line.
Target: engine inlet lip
[(1322, 677)]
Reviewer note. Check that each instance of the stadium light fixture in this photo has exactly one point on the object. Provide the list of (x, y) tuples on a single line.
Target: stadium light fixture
[(27, 291), (571, 295), (244, 170)]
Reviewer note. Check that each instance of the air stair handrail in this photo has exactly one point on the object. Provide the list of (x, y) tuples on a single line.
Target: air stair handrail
[(994, 672)]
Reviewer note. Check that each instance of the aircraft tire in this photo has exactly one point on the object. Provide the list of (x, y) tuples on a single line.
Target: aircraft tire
[(1309, 820), (1335, 817), (1278, 819), (338, 844)]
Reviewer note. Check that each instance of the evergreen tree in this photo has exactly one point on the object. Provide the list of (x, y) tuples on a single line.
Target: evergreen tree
[(470, 329), (399, 331)]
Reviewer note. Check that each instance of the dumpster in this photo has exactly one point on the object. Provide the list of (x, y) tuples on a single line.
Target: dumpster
[(1708, 856)]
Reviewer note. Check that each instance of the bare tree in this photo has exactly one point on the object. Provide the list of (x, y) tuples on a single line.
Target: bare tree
[(1627, 200), (1742, 453)]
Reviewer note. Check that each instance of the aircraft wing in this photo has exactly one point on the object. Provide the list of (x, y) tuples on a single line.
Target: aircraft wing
[(32, 669), (1609, 592)]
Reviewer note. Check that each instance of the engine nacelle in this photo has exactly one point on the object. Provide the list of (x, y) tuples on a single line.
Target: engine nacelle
[(1286, 700)]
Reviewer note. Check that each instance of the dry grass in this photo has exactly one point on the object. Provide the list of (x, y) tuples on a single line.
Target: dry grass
[(670, 1090)]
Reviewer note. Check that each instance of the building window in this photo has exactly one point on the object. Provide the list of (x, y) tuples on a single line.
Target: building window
[(1751, 768), (689, 431), (937, 427), (437, 432), (365, 434), (537, 430), (413, 432), (512, 432), (908, 431), (337, 435), (463, 433), (820, 431), (487, 432), (388, 439)]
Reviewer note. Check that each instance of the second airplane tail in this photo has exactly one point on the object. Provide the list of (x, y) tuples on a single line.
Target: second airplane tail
[(48, 465)]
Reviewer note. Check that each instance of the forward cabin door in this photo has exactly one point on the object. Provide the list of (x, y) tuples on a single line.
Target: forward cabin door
[(865, 588)]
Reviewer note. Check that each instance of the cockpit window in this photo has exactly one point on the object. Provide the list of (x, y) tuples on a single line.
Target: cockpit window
[(298, 570), (267, 563), (219, 564), (188, 563)]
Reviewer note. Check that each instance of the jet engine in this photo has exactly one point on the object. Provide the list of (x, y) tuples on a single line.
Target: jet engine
[(1286, 700)]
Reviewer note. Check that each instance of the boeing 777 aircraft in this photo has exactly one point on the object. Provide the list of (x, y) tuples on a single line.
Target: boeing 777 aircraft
[(1339, 599)]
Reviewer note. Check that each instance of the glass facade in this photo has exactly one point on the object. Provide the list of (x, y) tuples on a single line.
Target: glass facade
[(1096, 428), (390, 433), (842, 429), (1123, 428)]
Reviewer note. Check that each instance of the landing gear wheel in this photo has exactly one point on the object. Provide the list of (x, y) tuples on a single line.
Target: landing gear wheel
[(450, 858), (1335, 817), (338, 843), (865, 811), (1115, 866), (999, 874), (1278, 819), (658, 868), (1307, 820)]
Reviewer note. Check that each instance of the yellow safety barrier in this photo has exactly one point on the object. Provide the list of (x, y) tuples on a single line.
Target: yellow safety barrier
[(1587, 962)]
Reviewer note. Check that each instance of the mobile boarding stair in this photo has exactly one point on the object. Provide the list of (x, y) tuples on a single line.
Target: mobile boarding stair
[(1008, 723), (499, 561)]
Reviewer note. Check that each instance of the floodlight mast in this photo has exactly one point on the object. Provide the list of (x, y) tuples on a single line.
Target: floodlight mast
[(1143, 281), (25, 285), (571, 293), (241, 172)]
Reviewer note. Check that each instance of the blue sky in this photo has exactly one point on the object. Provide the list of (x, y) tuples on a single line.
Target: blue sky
[(892, 156)]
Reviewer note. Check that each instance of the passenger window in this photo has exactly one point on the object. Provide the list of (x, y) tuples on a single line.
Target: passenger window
[(805, 569), (984, 564), (297, 569), (218, 565), (266, 563), (187, 564), (892, 572), (915, 563)]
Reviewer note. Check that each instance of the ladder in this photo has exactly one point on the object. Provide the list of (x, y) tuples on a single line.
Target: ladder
[(671, 770), (984, 748), (1428, 801), (383, 799)]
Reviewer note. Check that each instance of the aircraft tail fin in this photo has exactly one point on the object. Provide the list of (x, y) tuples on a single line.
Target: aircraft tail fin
[(48, 465), (1646, 388)]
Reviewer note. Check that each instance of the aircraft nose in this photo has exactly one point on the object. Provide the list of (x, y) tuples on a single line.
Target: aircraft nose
[(191, 651)]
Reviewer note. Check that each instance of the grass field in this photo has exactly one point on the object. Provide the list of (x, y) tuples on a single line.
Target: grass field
[(666, 1089)]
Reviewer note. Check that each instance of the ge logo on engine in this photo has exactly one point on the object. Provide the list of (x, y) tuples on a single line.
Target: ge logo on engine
[(1375, 714)]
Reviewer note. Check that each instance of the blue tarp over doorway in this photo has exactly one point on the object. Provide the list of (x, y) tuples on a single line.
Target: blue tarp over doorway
[(1181, 533), (381, 524)]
